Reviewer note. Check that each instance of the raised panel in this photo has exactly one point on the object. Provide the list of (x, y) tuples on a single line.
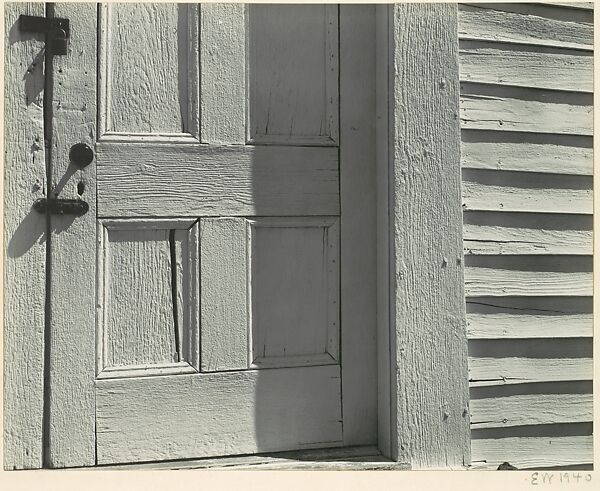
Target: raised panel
[(148, 291), (293, 74), (148, 77), (294, 275)]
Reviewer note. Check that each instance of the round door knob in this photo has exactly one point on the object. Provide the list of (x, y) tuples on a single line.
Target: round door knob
[(81, 155)]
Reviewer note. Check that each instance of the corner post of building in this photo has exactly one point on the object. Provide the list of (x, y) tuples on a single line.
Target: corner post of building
[(427, 320)]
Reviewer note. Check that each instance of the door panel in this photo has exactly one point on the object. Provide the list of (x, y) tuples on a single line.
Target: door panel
[(293, 74), (235, 281)]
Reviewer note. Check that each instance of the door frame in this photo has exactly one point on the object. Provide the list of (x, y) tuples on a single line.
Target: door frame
[(420, 424)]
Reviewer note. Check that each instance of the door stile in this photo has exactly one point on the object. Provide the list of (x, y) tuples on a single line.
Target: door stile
[(72, 306), (24, 241), (358, 223)]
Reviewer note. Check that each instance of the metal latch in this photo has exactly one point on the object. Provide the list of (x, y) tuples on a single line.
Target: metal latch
[(61, 206), (57, 31)]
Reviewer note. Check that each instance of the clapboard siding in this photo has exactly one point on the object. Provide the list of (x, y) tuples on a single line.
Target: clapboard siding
[(526, 119), (486, 63), (500, 412), (526, 156)]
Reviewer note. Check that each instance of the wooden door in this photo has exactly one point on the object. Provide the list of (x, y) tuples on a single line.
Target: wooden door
[(219, 296)]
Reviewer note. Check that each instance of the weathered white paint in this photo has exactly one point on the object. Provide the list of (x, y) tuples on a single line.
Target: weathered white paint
[(518, 196), (358, 287), (497, 64), (195, 180), (483, 281), (345, 458), (528, 325), (486, 371), (530, 409), (485, 23), (504, 113), (73, 299), (161, 175), (138, 302), (526, 452), (126, 271), (147, 80), (544, 157), (293, 74), (573, 5), (534, 233), (218, 414), (24, 242), (294, 290), (428, 309), (223, 294), (498, 240), (223, 80)]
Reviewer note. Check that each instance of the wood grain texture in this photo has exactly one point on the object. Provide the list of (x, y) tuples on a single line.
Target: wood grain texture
[(527, 193), (147, 79), (530, 452), (488, 112), (530, 409), (242, 412), (164, 284), (73, 300), (358, 288), (24, 242), (428, 308), (573, 5), (527, 157), (510, 282), (193, 180), (138, 302), (485, 371), (501, 240), (293, 74), (224, 294), (486, 23), (344, 458), (510, 197), (294, 291), (223, 85), (528, 325), (565, 70)]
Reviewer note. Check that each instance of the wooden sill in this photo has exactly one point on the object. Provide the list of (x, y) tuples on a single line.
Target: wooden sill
[(347, 458)]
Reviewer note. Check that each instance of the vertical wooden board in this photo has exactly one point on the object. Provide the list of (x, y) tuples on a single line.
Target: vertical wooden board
[(293, 74), (384, 389), (145, 58), (294, 291), (429, 304), (139, 325), (24, 241), (73, 284), (223, 294), (223, 85), (358, 224)]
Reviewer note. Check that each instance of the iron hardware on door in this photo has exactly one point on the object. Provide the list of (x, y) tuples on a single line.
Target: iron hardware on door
[(57, 31), (61, 206), (80, 155)]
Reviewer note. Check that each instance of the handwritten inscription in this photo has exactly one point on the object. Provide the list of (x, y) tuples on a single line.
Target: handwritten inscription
[(546, 478)]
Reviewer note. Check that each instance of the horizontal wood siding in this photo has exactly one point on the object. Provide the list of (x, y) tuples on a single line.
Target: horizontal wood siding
[(526, 74)]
